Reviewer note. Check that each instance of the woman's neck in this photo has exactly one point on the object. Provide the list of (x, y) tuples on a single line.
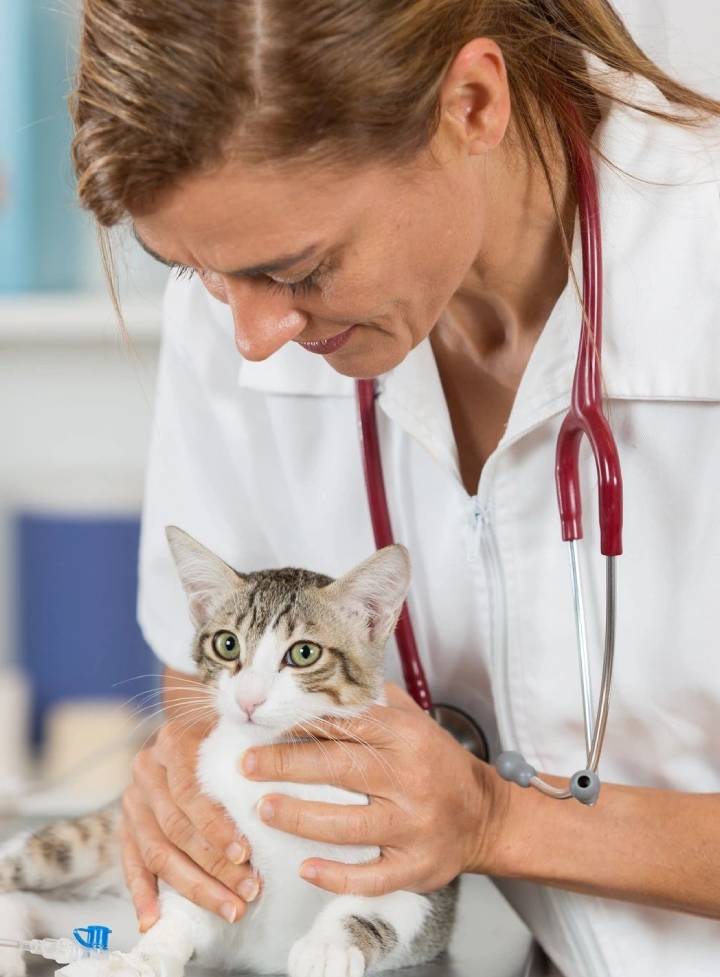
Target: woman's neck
[(483, 344), (521, 267)]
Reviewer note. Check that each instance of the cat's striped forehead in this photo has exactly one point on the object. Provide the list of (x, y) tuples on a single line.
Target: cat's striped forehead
[(269, 600), (277, 599)]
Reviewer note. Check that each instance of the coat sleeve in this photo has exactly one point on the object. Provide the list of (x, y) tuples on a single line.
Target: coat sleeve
[(195, 474)]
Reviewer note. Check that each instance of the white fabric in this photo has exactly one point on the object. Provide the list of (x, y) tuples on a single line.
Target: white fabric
[(261, 462)]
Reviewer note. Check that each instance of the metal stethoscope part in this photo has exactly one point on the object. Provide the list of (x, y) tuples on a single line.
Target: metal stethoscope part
[(584, 417)]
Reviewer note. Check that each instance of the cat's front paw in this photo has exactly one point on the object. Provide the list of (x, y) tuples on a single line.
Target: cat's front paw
[(312, 957), (12, 963)]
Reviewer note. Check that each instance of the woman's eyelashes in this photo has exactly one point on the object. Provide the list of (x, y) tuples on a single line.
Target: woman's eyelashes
[(302, 287)]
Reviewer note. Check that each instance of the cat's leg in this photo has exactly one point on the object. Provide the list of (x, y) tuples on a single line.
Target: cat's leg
[(354, 935), (163, 951)]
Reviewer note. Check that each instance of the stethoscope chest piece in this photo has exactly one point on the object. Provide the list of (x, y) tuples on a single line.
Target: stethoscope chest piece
[(462, 728)]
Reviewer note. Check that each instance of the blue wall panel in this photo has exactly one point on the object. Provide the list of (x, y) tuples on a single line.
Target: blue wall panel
[(78, 634)]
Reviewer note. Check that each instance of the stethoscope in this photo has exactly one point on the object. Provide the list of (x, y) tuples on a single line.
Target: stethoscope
[(584, 417)]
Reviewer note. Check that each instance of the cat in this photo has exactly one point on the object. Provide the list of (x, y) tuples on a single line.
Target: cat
[(298, 646)]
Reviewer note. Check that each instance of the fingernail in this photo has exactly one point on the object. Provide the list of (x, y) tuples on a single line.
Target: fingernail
[(249, 889), (308, 872), (146, 923), (249, 762), (228, 911), (266, 811), (236, 853)]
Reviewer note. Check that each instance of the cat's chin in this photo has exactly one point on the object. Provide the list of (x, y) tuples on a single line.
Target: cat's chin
[(252, 733)]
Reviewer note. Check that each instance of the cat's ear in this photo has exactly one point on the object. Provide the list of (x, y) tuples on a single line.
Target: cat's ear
[(204, 576), (374, 591)]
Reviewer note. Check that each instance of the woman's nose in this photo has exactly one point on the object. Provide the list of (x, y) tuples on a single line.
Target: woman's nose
[(264, 321)]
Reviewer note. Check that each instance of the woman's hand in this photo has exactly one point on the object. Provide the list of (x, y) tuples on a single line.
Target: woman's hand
[(172, 832), (434, 809)]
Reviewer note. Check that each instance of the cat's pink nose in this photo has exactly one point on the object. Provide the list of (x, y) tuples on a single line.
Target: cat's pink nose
[(249, 705)]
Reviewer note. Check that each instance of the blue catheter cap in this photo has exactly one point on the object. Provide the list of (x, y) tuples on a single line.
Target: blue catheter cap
[(93, 937)]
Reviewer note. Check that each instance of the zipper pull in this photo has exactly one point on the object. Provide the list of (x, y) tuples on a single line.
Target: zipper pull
[(480, 519)]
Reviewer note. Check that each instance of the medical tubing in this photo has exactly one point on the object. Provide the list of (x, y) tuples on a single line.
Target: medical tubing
[(562, 793), (413, 672), (582, 649), (61, 951), (608, 659)]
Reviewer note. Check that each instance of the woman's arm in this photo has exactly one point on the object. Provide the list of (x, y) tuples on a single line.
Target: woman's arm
[(646, 845), (436, 811)]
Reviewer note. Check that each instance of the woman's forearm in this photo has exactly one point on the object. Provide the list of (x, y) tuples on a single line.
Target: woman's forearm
[(646, 845)]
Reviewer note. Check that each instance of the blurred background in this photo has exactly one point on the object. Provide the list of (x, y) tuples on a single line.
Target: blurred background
[(75, 412)]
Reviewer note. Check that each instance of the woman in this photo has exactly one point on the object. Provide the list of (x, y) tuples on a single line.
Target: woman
[(383, 190)]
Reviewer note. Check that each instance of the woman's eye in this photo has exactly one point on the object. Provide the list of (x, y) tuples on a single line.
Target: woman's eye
[(226, 646), (302, 654), (302, 287)]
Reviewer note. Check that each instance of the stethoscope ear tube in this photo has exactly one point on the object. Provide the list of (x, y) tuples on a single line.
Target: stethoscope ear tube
[(456, 722), (584, 785)]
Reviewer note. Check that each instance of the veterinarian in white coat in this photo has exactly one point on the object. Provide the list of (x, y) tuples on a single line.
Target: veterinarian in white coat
[(257, 456), (261, 462)]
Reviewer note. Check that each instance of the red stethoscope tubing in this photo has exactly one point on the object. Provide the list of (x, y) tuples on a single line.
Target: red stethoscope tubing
[(413, 672), (584, 417)]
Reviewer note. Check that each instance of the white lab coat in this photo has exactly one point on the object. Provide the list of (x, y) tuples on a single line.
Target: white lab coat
[(261, 462)]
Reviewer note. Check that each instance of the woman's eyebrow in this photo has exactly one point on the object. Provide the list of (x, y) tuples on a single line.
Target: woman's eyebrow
[(282, 263)]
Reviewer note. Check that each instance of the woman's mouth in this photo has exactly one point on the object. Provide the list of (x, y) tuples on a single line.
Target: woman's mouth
[(325, 346)]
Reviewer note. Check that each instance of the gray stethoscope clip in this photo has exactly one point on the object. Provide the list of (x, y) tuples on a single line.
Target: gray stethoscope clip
[(584, 785)]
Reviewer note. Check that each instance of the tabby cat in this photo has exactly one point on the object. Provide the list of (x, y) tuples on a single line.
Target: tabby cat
[(273, 649)]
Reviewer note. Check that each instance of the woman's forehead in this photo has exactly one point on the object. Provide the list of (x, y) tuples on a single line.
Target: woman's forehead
[(241, 217)]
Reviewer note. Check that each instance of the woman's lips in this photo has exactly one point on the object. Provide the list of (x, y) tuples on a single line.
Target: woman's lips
[(325, 346)]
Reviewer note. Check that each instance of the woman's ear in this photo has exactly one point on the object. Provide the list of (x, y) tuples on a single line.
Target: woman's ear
[(207, 580), (373, 593), (475, 96)]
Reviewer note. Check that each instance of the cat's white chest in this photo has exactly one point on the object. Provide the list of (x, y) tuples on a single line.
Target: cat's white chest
[(288, 905)]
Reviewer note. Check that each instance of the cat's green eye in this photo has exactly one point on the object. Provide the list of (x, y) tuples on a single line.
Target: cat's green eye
[(302, 654), (226, 646)]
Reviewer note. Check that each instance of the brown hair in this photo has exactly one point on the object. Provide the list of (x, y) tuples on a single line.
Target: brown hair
[(169, 87)]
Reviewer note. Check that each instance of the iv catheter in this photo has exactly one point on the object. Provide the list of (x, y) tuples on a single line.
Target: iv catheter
[(585, 417), (87, 944)]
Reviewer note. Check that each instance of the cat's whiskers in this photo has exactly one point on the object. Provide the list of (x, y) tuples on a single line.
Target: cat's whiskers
[(355, 738), (158, 704), (199, 712), (313, 718), (323, 749), (190, 685)]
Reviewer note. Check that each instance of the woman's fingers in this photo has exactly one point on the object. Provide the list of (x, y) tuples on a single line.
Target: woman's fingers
[(216, 847), (178, 755), (164, 860), (142, 884), (377, 878), (339, 824), (349, 765)]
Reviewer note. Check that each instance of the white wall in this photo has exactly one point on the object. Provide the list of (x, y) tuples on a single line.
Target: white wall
[(75, 414), (681, 35)]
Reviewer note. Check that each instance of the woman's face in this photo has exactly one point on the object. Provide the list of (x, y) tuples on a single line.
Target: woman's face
[(356, 265), (368, 259)]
